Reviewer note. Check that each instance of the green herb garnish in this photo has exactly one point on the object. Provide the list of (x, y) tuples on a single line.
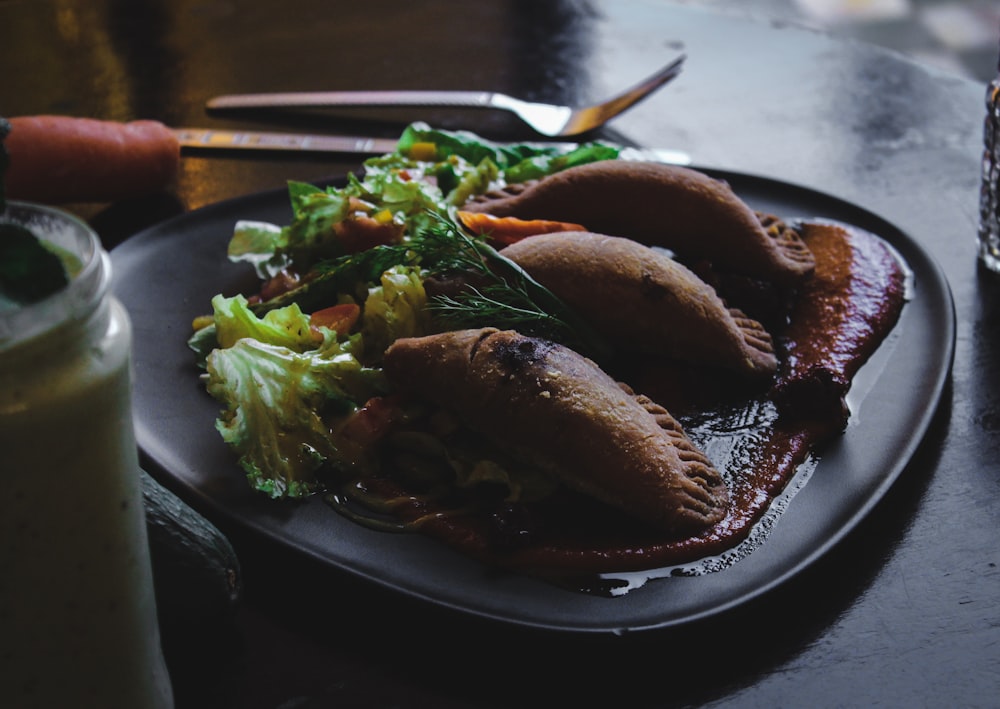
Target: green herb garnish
[(501, 293), (28, 270), (504, 296)]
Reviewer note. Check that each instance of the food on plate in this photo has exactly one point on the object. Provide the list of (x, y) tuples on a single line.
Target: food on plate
[(686, 211), (855, 278), (510, 230), (647, 302), (559, 412), (61, 159), (532, 393)]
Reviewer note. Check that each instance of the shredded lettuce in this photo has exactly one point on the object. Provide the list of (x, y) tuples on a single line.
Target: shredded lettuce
[(514, 162), (394, 308), (416, 187), (285, 327), (275, 404), (310, 237), (283, 389), (260, 244), (278, 383)]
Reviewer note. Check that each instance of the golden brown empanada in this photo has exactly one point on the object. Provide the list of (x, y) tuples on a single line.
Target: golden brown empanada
[(643, 301), (558, 411), (694, 215)]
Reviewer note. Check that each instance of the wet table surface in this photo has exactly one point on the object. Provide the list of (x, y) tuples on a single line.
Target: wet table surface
[(903, 612)]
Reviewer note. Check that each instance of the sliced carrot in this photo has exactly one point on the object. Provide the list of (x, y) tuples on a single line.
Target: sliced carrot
[(341, 318), (280, 283), (507, 230)]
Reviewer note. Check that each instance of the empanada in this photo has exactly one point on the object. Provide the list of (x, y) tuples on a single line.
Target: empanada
[(694, 215), (643, 301), (558, 411)]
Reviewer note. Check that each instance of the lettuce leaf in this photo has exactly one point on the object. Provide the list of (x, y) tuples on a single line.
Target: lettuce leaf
[(394, 308), (276, 406), (310, 236), (516, 161), (260, 244), (415, 186), (286, 327)]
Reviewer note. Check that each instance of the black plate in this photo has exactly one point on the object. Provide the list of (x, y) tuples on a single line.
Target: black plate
[(168, 274)]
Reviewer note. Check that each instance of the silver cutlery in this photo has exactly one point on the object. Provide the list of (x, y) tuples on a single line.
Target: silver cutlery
[(546, 119), (209, 139)]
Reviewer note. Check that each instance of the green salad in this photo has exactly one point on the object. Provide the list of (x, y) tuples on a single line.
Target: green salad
[(297, 365)]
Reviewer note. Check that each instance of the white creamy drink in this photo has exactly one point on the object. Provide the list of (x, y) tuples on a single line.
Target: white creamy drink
[(78, 623)]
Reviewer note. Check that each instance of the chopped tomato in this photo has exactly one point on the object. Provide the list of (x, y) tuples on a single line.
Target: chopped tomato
[(281, 283), (371, 421), (341, 318), (360, 232), (508, 230)]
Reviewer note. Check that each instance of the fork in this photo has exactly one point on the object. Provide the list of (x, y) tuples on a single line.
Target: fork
[(546, 119)]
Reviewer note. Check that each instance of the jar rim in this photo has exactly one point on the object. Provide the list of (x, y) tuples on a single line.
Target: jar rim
[(86, 286)]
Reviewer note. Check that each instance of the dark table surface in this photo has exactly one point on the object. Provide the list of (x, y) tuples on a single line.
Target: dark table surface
[(903, 612)]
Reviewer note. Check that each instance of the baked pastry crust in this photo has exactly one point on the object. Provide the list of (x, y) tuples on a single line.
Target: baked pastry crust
[(694, 215), (644, 301), (558, 411)]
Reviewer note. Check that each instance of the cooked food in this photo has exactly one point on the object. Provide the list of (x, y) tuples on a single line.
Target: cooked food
[(645, 301), (579, 401), (59, 159), (863, 287), (841, 316), (560, 412), (697, 216)]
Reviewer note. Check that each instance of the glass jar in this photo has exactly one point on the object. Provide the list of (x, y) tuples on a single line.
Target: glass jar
[(989, 196), (78, 624)]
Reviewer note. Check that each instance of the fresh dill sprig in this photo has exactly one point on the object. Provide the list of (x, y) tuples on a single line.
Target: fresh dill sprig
[(503, 294), (509, 297), (504, 307), (343, 274), (443, 248), (369, 264)]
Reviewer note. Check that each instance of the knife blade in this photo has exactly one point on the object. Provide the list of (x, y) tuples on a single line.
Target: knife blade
[(210, 139)]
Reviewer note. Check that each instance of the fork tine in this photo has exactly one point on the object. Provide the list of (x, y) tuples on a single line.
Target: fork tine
[(588, 118)]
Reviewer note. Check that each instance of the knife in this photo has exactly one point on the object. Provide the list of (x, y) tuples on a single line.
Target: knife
[(209, 139)]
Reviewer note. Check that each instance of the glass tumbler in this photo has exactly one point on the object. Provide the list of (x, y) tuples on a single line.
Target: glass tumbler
[(78, 625), (989, 199)]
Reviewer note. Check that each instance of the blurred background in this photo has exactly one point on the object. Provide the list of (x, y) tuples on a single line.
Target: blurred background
[(960, 36)]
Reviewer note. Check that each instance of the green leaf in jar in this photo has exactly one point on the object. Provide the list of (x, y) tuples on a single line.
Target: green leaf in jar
[(28, 270)]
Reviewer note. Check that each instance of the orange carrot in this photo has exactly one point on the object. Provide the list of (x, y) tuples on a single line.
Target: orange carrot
[(59, 159), (337, 317), (507, 230)]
